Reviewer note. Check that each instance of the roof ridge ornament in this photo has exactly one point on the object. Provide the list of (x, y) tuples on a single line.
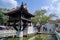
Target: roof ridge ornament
[(23, 4)]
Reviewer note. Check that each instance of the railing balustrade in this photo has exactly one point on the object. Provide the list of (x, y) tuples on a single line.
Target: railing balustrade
[(6, 33)]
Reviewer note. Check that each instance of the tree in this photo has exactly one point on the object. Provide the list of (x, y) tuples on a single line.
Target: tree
[(3, 19), (38, 15), (41, 17)]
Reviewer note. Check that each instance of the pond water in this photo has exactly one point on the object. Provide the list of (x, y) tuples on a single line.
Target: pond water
[(45, 37), (37, 37)]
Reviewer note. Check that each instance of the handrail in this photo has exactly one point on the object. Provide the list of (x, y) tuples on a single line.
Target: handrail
[(6, 33)]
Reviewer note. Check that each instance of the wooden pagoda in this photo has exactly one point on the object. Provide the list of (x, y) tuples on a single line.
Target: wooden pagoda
[(19, 18)]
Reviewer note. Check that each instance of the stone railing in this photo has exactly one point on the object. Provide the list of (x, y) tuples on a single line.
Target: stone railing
[(58, 35), (6, 33)]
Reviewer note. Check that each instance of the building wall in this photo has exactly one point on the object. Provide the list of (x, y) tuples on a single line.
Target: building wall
[(58, 26), (28, 30), (25, 32), (21, 34), (49, 27), (32, 29)]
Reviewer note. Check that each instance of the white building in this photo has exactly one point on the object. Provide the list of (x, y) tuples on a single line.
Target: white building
[(50, 27)]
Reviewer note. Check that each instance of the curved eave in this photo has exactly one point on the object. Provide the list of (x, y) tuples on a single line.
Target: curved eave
[(25, 19), (15, 11), (31, 15), (10, 13)]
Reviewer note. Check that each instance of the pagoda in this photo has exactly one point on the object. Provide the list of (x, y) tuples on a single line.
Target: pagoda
[(19, 18)]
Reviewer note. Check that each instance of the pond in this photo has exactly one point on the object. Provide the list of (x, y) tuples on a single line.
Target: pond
[(37, 37), (45, 37)]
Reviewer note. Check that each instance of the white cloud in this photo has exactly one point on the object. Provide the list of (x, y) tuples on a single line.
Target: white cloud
[(45, 7), (8, 3), (54, 1), (53, 7)]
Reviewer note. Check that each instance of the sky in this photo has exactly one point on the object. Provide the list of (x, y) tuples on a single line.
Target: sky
[(52, 6)]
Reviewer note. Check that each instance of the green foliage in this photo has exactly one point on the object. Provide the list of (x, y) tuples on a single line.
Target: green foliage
[(40, 12), (1, 16), (44, 19), (56, 25), (41, 17), (38, 15), (3, 19)]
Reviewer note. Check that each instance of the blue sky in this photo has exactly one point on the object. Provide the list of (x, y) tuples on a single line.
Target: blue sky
[(52, 6), (34, 5)]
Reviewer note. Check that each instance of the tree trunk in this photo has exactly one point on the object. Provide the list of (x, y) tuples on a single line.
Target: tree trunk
[(39, 28)]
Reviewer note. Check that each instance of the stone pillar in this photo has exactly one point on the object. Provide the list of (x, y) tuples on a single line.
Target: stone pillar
[(25, 29)]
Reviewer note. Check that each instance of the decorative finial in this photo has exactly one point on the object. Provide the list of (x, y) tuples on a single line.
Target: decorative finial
[(22, 4)]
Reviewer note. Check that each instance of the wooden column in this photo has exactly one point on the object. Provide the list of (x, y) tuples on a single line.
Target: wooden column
[(14, 25), (20, 22)]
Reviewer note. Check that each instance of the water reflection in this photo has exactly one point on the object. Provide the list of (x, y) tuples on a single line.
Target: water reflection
[(42, 37), (45, 37)]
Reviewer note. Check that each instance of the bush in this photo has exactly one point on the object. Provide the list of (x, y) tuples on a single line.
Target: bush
[(56, 25)]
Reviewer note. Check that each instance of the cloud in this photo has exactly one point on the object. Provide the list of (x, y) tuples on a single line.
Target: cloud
[(8, 3), (45, 7), (53, 1), (53, 7)]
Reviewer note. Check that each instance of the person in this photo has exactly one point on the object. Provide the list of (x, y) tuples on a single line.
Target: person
[(44, 28)]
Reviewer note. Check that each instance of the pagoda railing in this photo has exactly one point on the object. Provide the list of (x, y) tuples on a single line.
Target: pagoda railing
[(7, 33), (26, 19)]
